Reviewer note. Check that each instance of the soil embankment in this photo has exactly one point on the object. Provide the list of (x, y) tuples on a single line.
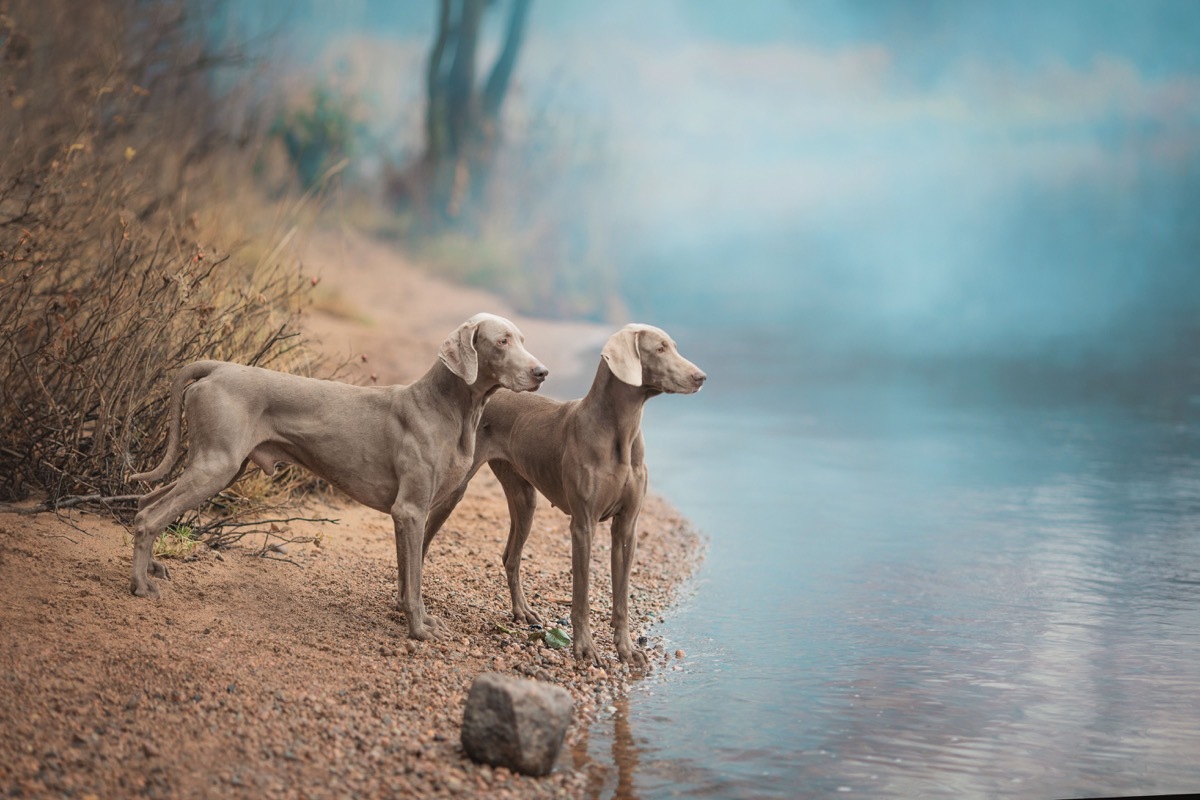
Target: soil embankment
[(290, 676)]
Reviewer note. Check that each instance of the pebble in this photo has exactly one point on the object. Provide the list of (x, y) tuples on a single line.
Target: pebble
[(679, 654)]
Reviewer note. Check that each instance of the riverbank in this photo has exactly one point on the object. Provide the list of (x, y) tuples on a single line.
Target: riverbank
[(289, 675)]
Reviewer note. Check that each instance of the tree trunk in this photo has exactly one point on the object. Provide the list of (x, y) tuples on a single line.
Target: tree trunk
[(461, 122), (494, 92), (497, 84), (435, 110)]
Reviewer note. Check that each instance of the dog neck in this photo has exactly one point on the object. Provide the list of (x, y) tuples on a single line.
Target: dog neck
[(450, 395), (616, 406)]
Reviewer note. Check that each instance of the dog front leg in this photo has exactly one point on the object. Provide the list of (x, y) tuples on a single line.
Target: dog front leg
[(624, 549), (581, 555), (410, 528)]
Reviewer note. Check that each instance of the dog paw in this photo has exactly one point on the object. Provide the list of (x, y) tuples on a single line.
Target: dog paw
[(144, 589), (525, 616), (429, 629), (586, 651), (628, 655)]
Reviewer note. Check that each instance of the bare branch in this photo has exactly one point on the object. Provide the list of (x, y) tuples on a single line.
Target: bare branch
[(78, 500)]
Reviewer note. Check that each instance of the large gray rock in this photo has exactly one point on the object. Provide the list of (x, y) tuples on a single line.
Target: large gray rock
[(515, 723)]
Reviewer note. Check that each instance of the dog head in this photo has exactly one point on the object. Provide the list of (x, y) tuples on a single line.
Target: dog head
[(490, 348), (645, 356)]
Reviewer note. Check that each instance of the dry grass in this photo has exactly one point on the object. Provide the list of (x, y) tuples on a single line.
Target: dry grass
[(177, 541), (109, 282)]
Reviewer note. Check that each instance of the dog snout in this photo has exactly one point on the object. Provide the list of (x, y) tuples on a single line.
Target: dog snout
[(698, 378), (539, 373)]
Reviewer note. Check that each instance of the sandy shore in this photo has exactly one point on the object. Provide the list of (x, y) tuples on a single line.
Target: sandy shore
[(291, 676)]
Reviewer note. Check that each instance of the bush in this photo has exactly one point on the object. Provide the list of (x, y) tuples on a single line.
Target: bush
[(317, 137), (104, 292)]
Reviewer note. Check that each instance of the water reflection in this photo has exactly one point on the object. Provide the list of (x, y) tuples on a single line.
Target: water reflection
[(909, 597), (610, 775)]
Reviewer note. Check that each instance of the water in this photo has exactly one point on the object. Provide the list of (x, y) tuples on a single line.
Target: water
[(919, 588)]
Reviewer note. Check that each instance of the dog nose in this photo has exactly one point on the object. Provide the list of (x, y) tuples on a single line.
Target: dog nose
[(699, 377), (540, 372)]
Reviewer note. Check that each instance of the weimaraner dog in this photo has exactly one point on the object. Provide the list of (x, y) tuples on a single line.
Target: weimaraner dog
[(396, 449), (586, 457)]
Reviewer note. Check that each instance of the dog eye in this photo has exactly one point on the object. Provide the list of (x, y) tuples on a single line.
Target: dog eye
[(503, 342), (662, 348)]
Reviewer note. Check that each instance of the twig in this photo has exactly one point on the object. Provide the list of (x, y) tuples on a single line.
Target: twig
[(266, 557), (223, 532), (230, 524), (78, 500)]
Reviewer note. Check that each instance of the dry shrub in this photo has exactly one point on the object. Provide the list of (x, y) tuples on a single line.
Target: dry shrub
[(106, 289)]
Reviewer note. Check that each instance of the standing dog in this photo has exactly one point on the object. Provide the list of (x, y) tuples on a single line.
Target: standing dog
[(586, 457), (396, 449)]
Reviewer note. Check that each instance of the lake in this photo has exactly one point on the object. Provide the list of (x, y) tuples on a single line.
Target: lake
[(933, 585)]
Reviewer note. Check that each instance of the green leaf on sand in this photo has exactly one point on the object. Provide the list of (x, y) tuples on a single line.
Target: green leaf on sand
[(557, 639)]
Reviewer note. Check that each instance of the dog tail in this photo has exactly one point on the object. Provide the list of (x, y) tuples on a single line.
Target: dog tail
[(189, 374)]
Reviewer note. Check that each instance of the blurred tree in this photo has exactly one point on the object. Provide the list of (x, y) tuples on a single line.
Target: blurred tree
[(462, 118), (317, 138)]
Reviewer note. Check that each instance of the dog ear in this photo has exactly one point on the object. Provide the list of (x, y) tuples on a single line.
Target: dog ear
[(623, 356), (458, 352)]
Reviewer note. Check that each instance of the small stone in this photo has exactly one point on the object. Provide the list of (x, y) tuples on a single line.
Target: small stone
[(679, 654), (515, 723), (150, 749)]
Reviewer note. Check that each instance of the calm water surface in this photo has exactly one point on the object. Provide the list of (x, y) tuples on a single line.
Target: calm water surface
[(908, 594)]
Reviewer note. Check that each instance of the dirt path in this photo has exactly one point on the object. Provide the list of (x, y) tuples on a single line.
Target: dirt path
[(254, 677)]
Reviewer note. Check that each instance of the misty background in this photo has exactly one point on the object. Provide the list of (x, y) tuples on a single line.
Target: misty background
[(937, 259), (897, 180), (939, 262)]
